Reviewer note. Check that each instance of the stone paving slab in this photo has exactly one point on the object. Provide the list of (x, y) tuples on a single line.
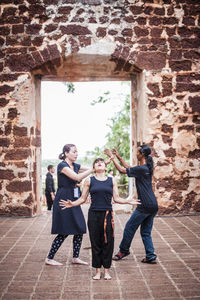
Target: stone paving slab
[(25, 243)]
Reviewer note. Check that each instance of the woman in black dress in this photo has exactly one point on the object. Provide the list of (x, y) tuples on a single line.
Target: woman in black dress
[(70, 221), (100, 215)]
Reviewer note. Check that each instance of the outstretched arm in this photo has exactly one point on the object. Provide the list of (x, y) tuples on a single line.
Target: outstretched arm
[(120, 200), (122, 161), (109, 153), (67, 204), (73, 175)]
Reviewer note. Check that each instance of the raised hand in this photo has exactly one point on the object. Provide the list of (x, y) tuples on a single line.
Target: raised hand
[(65, 204), (108, 152), (115, 152)]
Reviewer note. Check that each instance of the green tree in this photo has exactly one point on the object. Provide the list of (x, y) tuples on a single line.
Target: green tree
[(117, 137)]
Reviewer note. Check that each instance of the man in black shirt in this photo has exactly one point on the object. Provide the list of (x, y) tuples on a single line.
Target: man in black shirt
[(144, 214), (50, 189)]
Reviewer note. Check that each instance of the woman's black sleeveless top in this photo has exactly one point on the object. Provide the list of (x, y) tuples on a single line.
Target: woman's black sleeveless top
[(101, 193)]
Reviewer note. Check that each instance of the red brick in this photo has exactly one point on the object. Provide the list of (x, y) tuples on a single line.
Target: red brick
[(35, 10), (159, 11), (141, 20), (7, 174), (21, 142), (3, 102), (166, 139), (156, 32), (127, 32), (194, 103), (154, 87), (33, 29), (4, 89), (18, 154), (17, 29), (75, 30), (101, 32), (4, 30), (136, 10), (84, 41), (188, 21), (166, 89), (141, 31), (20, 131), (167, 128), (103, 20), (115, 21), (19, 186), (153, 104), (155, 21), (37, 41), (151, 61), (180, 65), (50, 28), (12, 114)]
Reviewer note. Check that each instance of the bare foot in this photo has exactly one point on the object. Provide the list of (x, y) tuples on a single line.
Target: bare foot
[(78, 261), (52, 262), (97, 276), (107, 276)]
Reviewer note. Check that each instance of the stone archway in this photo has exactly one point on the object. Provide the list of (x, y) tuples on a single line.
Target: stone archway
[(100, 61)]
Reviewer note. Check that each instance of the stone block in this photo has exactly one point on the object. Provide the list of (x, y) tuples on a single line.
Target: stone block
[(6, 174), (101, 31), (20, 131), (19, 154), (66, 10), (154, 87), (151, 60), (127, 32), (180, 65), (16, 29), (4, 142), (51, 27), (75, 30), (167, 128), (12, 114), (3, 102), (21, 142), (5, 89), (19, 186), (33, 29), (136, 10)]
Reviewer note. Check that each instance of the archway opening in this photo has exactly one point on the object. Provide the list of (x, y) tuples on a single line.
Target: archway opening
[(92, 115)]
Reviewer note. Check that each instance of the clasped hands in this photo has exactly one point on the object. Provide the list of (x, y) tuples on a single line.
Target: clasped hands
[(111, 153)]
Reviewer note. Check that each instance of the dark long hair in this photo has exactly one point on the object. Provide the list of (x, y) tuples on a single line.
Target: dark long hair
[(146, 151), (97, 160), (66, 148)]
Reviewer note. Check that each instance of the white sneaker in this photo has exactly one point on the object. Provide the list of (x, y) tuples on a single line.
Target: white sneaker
[(78, 261), (52, 262)]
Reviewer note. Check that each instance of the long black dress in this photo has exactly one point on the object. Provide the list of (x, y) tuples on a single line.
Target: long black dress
[(71, 220)]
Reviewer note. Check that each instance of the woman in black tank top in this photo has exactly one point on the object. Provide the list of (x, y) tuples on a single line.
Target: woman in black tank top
[(100, 216)]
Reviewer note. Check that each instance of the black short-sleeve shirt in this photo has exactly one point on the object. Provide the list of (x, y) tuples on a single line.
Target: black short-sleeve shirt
[(143, 180)]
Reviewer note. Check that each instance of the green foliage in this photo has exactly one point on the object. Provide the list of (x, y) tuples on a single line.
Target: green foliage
[(118, 136), (70, 87), (101, 99)]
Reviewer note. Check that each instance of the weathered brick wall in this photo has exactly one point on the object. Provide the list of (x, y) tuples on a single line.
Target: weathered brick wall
[(159, 39)]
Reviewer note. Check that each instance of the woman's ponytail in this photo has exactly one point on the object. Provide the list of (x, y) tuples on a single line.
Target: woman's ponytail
[(146, 151), (149, 162)]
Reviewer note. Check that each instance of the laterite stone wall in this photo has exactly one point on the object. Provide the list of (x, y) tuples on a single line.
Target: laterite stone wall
[(157, 41)]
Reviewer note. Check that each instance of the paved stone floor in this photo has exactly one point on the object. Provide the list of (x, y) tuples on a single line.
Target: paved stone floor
[(25, 242)]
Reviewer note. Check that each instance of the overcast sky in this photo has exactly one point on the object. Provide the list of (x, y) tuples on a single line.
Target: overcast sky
[(70, 118)]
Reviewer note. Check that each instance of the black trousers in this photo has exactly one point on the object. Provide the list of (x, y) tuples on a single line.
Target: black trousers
[(101, 231), (49, 201)]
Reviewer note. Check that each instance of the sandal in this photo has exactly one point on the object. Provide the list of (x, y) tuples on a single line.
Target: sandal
[(149, 261), (120, 255)]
